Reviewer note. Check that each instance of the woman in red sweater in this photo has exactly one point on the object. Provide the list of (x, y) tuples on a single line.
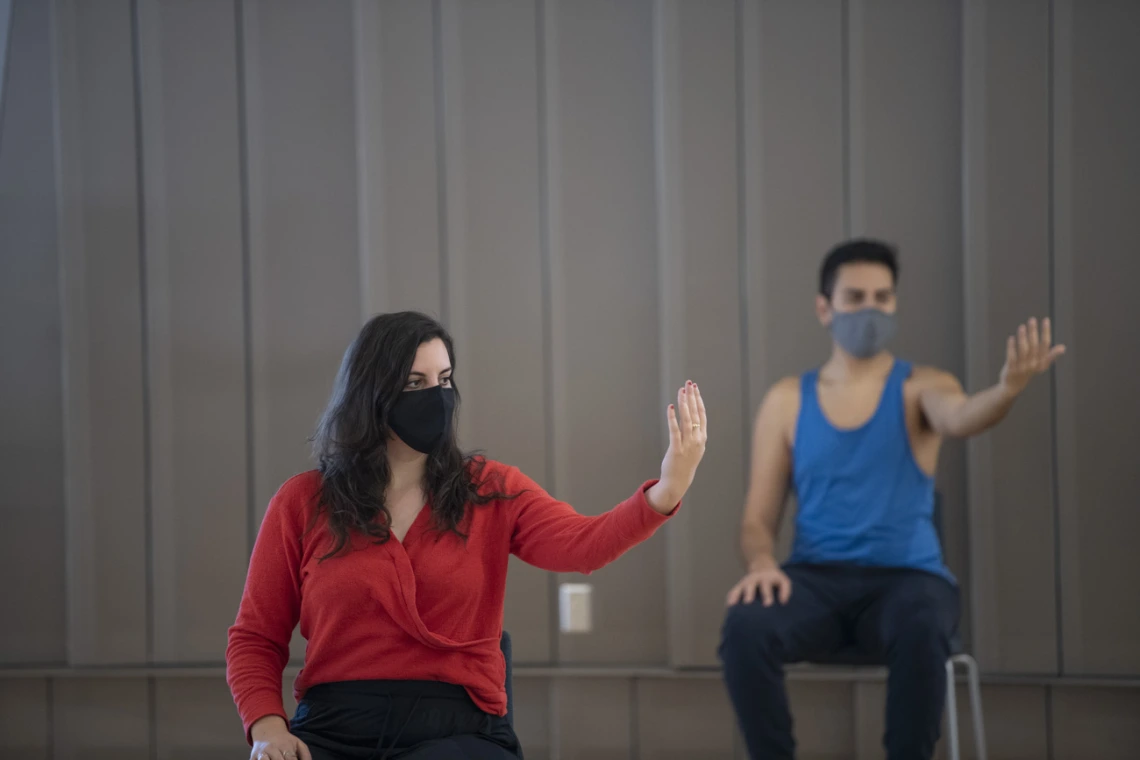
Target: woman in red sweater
[(392, 556)]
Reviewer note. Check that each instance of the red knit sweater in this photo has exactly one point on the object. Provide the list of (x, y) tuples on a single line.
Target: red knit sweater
[(427, 608)]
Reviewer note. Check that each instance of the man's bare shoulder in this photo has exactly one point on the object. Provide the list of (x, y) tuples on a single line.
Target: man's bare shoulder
[(779, 409), (924, 377), (925, 380), (785, 394)]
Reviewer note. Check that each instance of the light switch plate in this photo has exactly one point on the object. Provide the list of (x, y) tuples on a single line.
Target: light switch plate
[(574, 613)]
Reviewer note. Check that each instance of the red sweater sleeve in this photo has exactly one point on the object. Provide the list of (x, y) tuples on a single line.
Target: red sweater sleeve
[(549, 534), (258, 647)]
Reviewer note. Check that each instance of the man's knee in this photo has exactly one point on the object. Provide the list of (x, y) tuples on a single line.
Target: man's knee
[(750, 631), (920, 631)]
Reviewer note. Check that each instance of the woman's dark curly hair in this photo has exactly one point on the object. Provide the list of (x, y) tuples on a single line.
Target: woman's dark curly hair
[(351, 441)]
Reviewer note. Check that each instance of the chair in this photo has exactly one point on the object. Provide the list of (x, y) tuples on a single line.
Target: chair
[(853, 656), (505, 646)]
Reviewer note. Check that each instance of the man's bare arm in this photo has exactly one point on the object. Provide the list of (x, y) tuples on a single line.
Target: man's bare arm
[(949, 411), (770, 473)]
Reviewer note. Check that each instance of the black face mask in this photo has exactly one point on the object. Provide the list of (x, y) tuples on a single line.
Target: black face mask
[(422, 419)]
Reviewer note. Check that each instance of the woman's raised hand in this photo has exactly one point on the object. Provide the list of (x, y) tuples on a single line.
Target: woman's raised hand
[(688, 432)]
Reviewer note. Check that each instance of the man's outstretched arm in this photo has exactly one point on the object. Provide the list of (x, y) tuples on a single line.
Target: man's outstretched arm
[(949, 411)]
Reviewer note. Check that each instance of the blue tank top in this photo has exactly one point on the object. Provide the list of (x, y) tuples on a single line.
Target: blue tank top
[(862, 498)]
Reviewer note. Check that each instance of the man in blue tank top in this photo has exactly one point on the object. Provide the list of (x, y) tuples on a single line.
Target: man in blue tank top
[(858, 442)]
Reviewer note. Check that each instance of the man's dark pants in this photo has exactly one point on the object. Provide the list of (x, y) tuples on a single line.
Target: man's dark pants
[(907, 618)]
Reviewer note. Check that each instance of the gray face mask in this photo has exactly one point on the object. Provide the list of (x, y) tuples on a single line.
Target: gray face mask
[(863, 333)]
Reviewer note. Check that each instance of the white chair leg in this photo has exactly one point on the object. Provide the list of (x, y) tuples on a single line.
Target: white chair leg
[(975, 704), (951, 712)]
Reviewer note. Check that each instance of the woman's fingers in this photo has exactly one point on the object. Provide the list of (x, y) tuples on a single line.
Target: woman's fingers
[(674, 428), (686, 418), (701, 417), (299, 751), (694, 411)]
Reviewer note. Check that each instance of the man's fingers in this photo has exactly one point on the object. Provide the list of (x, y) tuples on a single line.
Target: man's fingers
[(767, 589), (1047, 362), (766, 592), (1022, 343), (1038, 352), (1046, 332), (785, 590), (1010, 352)]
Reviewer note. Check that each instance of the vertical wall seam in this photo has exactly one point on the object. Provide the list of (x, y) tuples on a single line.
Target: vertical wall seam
[(845, 109), (247, 276), (66, 383), (49, 716), (1053, 395), (441, 160), (152, 715), (1049, 748), (547, 286), (742, 237), (5, 64), (148, 457), (634, 708)]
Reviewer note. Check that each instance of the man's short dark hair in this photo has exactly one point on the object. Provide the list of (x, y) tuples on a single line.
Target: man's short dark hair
[(859, 251)]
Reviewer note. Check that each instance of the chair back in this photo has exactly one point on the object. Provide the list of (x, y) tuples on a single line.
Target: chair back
[(936, 518)]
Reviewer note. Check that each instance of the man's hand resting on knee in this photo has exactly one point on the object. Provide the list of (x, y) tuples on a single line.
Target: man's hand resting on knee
[(766, 578)]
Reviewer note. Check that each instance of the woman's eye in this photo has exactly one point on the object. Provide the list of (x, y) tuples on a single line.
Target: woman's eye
[(445, 382), (412, 385)]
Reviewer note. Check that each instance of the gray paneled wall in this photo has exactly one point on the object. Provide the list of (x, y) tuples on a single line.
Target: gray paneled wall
[(105, 399), (1007, 241), (201, 201), (1096, 192), (32, 529), (195, 337), (5, 25)]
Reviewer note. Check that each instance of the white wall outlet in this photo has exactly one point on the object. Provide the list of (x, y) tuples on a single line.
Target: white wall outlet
[(574, 613)]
